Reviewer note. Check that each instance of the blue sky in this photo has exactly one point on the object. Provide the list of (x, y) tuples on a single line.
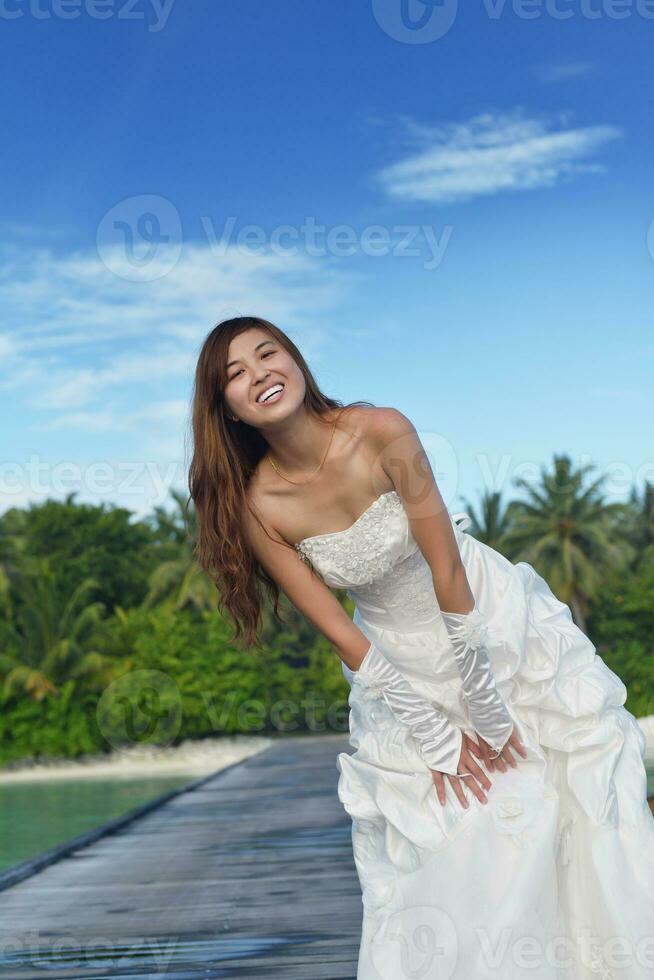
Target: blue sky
[(479, 182)]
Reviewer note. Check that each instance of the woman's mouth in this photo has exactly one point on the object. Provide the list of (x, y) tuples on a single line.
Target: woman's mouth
[(271, 394)]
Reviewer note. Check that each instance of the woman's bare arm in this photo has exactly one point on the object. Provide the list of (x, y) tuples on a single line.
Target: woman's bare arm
[(318, 604), (403, 459), (305, 590)]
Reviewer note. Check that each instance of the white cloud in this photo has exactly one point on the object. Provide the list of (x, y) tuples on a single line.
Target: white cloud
[(163, 425), (97, 370), (6, 345), (562, 71), (79, 331), (489, 154), (161, 414), (100, 421)]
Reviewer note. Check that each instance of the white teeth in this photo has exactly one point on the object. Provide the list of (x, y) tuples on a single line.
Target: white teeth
[(269, 391)]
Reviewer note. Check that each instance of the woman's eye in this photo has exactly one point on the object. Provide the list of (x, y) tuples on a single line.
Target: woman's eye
[(266, 354)]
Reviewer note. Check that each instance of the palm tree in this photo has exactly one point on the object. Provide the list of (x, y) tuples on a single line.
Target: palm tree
[(640, 518), (492, 525), (12, 546), (568, 533), (179, 578), (47, 637)]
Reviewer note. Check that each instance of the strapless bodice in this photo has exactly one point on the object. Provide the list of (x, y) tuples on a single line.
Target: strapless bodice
[(378, 562)]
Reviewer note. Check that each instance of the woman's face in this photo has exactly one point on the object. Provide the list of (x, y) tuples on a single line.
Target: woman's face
[(256, 363)]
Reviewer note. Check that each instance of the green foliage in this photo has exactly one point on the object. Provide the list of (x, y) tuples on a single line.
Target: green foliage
[(84, 541), (622, 627), (565, 529), (56, 727), (110, 633)]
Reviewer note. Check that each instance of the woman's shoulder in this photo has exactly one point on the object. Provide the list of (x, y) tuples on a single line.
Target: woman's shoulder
[(366, 425), (371, 417), (383, 423), (369, 428)]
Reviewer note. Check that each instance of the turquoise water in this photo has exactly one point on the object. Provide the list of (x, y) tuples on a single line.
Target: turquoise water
[(36, 816)]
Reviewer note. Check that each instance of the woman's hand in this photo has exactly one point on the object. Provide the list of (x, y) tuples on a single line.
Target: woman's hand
[(485, 752), (467, 764), (476, 779)]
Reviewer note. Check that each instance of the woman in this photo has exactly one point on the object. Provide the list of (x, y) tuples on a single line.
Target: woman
[(461, 666)]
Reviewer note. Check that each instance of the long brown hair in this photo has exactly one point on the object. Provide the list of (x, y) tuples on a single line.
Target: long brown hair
[(225, 455)]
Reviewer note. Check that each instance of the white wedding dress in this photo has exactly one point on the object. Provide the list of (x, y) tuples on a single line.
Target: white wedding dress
[(553, 878)]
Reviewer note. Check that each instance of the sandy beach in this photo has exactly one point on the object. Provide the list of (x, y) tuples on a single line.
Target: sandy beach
[(193, 757)]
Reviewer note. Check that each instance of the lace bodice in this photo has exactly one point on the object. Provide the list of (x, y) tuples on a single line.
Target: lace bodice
[(378, 561)]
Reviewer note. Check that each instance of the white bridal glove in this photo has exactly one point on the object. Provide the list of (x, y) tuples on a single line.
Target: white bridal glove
[(489, 715), (439, 741)]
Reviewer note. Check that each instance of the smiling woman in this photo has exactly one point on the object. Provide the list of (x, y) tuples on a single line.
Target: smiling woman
[(254, 396), (265, 349)]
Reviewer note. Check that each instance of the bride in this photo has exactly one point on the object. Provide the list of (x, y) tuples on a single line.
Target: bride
[(497, 791)]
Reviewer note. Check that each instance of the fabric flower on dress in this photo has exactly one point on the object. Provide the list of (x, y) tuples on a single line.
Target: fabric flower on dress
[(370, 689), (470, 627), (473, 628), (514, 815)]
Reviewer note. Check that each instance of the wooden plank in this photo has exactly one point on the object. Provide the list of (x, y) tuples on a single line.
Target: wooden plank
[(247, 873)]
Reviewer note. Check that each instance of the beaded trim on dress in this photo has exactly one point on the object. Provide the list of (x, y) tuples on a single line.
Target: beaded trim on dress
[(380, 507), (331, 534)]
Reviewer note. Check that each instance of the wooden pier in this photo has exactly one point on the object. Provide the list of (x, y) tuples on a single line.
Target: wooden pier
[(248, 873)]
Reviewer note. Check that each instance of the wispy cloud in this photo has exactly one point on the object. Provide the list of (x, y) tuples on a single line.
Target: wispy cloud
[(78, 331), (162, 425), (562, 71), (491, 153), (97, 369)]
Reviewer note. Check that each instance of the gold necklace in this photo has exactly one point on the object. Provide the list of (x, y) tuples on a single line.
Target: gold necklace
[(301, 483)]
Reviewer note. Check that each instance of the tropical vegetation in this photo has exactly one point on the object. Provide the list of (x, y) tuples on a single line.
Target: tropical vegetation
[(111, 634)]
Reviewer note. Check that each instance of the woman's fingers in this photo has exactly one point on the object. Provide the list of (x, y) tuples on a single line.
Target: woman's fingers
[(474, 777), (473, 747), (495, 763), (483, 751), (439, 782), (478, 773), (438, 779), (486, 755), (516, 741), (505, 756), (461, 784), (506, 751), (459, 790)]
